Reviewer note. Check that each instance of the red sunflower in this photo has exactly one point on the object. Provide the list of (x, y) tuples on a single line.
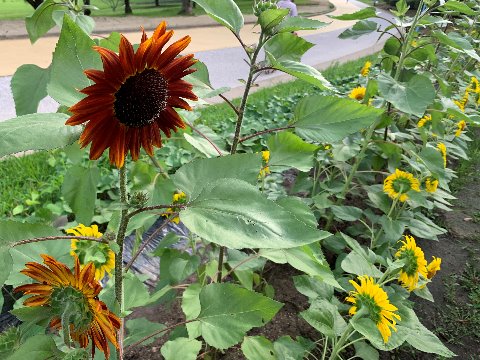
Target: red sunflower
[(134, 97)]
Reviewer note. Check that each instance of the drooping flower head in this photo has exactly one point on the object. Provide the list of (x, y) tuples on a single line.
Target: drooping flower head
[(90, 251), (443, 150), (134, 97), (366, 69), (75, 294), (431, 184), (372, 297), (424, 120), (398, 184), (177, 198), (415, 263), (358, 93), (433, 267), (461, 125)]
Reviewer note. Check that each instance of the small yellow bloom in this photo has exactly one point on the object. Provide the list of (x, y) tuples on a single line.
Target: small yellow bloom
[(415, 265), (443, 149), (104, 257), (372, 297), (358, 93), (433, 267), (266, 156), (424, 120), (178, 198), (398, 184), (431, 184), (414, 43), (265, 170), (366, 69), (460, 127)]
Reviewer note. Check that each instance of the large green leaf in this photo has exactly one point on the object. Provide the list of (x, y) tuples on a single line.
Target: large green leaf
[(296, 23), (36, 132), (141, 327), (26, 96), (411, 97), (460, 7), (369, 329), (41, 20), (192, 177), (36, 347), (181, 348), (258, 347), (359, 15), (325, 318), (270, 18), (225, 12), (80, 191), (233, 213), (288, 150), (329, 119), (362, 27), (228, 311), (12, 231), (73, 55)]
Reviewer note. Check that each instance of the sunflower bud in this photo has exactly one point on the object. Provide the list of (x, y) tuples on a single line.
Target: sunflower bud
[(263, 5), (139, 199)]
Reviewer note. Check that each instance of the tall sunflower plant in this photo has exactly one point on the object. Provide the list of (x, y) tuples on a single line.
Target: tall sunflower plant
[(371, 166)]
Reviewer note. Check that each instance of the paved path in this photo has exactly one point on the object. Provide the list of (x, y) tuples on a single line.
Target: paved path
[(215, 46)]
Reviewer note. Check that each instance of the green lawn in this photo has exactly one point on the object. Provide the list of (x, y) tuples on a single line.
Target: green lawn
[(18, 9)]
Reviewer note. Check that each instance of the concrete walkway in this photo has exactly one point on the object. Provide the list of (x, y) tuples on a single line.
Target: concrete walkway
[(214, 45)]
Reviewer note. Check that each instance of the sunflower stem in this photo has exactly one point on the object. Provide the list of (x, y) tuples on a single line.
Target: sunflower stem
[(66, 326), (238, 128), (119, 257), (338, 346)]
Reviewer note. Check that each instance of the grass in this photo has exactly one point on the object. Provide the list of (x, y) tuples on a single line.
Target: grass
[(37, 173), (19, 9), (467, 169)]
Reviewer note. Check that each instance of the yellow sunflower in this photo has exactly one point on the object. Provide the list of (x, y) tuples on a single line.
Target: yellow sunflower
[(90, 251), (372, 297), (461, 125), (134, 97), (415, 263), (431, 184), (366, 69), (433, 267), (443, 150), (424, 120), (358, 93), (177, 198), (398, 184), (265, 170), (76, 294)]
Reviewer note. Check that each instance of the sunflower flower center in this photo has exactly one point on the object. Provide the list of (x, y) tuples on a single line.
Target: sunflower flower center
[(73, 301), (141, 98)]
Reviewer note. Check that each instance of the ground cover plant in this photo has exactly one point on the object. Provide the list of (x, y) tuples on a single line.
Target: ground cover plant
[(340, 189)]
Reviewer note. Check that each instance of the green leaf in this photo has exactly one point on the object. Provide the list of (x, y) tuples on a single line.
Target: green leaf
[(73, 55), (258, 348), (35, 315), (36, 347), (228, 311), (308, 259), (365, 351), (412, 97), (12, 231), (288, 150), (329, 119), (203, 145), (362, 27), (367, 328), (357, 264), (363, 14), (181, 348), (192, 177), (325, 318), (299, 209), (176, 265), (312, 287), (191, 308), (26, 96), (288, 349), (460, 7), (347, 213), (432, 158), (139, 328), (296, 23), (111, 42), (233, 213), (41, 20), (80, 191), (36, 132), (225, 12), (270, 18)]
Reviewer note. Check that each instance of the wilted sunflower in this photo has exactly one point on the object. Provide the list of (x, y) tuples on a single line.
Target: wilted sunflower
[(431, 184), (415, 263), (372, 297), (134, 97), (424, 120), (358, 93), (398, 184), (366, 69), (461, 125), (443, 150), (76, 294), (90, 251)]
